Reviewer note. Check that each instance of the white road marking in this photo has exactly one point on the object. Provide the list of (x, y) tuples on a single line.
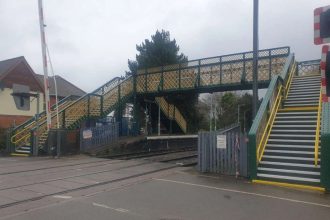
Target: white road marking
[(245, 192), (5, 159), (108, 207), (122, 210), (62, 197)]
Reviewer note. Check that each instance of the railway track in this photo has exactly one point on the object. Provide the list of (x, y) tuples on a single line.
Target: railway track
[(175, 158), (71, 166), (42, 175), (88, 186), (182, 157), (144, 154)]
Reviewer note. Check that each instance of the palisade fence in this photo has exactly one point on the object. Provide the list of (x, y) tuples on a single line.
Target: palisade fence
[(223, 152), (93, 138)]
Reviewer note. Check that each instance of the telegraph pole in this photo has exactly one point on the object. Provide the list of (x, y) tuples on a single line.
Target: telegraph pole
[(44, 61), (255, 56)]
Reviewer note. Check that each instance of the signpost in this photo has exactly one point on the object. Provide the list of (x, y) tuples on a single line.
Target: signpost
[(221, 141)]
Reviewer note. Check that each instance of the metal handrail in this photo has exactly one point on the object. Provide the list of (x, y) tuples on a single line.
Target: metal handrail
[(288, 84), (317, 134), (269, 125), (222, 60), (42, 116), (32, 120)]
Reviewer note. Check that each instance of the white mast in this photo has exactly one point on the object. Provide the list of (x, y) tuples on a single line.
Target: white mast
[(44, 60)]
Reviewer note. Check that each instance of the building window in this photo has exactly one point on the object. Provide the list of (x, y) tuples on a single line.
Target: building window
[(21, 102)]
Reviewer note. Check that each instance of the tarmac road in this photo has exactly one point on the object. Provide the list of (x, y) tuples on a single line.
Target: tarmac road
[(178, 193)]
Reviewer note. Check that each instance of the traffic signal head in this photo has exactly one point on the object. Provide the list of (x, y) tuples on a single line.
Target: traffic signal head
[(322, 25), (325, 24)]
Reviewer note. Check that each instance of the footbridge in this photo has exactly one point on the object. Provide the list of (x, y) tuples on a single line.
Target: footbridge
[(213, 74)]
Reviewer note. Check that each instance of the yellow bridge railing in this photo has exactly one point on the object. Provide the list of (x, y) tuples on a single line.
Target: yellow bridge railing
[(279, 93), (269, 125), (317, 134)]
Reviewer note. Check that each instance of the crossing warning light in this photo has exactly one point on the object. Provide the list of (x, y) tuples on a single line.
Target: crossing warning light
[(322, 25), (325, 73)]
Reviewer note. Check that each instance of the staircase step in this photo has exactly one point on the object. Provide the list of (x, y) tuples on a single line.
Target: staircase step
[(307, 84), (304, 94), (297, 113), (296, 117), (267, 157), (304, 136), (316, 173), (306, 80), (304, 89), (299, 165), (286, 105), (307, 77), (299, 99), (290, 152), (287, 146), (293, 142), (315, 81), (302, 122), (280, 131), (23, 151), (281, 177), (300, 126)]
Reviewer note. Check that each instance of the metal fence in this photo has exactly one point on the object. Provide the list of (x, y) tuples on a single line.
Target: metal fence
[(309, 67), (93, 138), (223, 152)]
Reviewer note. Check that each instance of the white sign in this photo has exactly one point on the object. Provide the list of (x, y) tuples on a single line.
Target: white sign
[(87, 134), (221, 141)]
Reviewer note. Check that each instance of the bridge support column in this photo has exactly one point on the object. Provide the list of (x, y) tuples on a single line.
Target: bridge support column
[(136, 116)]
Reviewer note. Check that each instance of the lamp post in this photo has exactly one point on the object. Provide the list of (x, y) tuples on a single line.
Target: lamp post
[(255, 56)]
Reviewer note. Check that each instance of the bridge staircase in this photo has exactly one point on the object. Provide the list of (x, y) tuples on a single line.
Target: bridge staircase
[(172, 113), (97, 104), (285, 137)]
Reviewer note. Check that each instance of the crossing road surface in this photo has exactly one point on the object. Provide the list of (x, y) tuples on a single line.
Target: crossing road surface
[(81, 188)]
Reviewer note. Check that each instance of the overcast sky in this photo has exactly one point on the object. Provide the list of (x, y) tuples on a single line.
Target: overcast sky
[(90, 41)]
